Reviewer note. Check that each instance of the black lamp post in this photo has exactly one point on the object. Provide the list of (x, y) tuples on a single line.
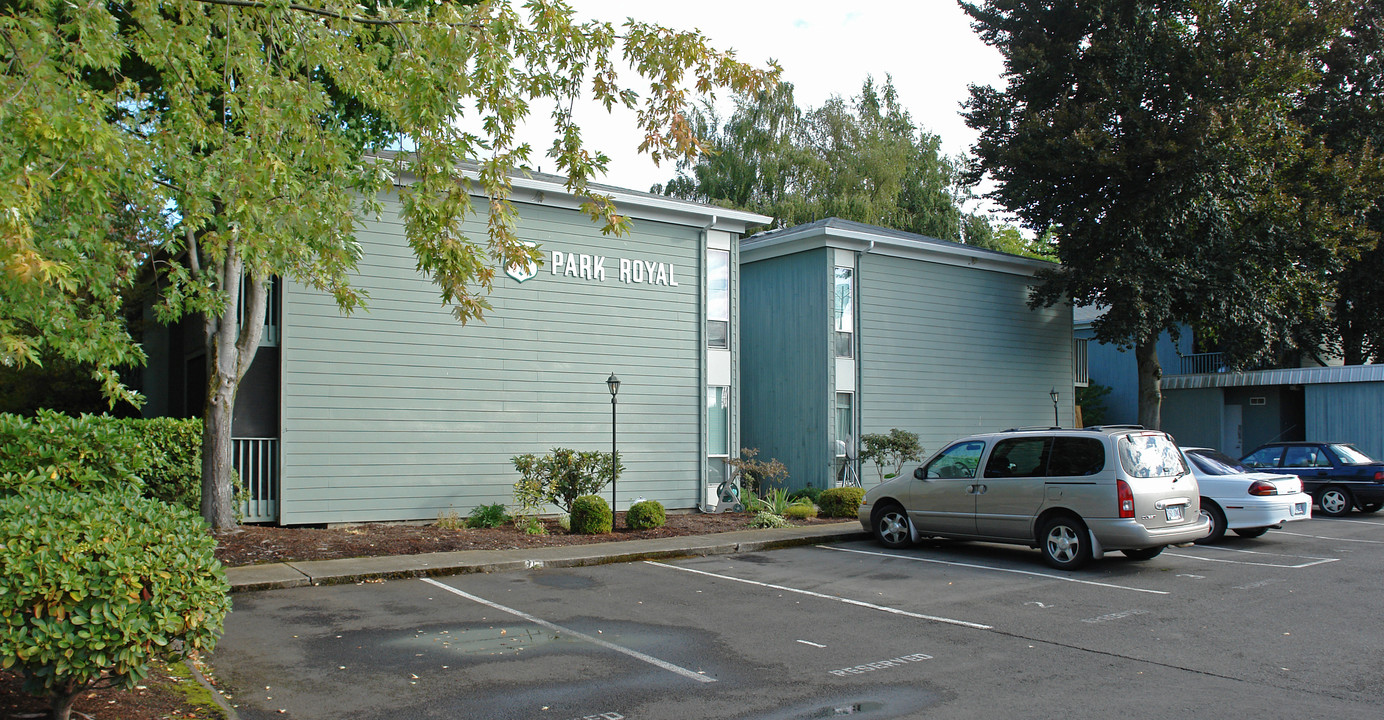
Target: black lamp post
[(1056, 422), (613, 383)]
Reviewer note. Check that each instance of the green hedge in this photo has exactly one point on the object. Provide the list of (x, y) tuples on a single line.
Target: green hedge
[(646, 515), (841, 502), (591, 515), (104, 584), (159, 457)]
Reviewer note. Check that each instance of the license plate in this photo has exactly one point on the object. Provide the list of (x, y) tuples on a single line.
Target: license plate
[(1174, 513), (1300, 508)]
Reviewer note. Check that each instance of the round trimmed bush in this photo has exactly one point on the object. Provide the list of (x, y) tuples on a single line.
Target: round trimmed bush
[(98, 585), (646, 515), (591, 515), (841, 502)]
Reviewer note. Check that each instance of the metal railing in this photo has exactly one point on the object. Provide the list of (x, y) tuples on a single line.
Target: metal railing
[(1081, 367), (257, 462), (1201, 364)]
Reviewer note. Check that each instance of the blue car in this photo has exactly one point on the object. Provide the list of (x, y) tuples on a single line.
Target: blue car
[(1337, 475)]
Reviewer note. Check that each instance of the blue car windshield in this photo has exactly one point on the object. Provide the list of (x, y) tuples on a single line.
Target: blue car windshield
[(1211, 462), (1349, 455)]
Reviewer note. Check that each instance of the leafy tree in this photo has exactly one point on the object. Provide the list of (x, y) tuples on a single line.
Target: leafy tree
[(864, 160), (1155, 140), (226, 142), (984, 231), (1346, 108), (893, 450)]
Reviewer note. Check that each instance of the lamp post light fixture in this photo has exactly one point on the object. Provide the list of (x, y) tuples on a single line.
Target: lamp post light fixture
[(1056, 422), (613, 383)]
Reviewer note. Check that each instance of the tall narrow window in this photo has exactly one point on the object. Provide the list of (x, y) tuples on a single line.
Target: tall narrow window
[(718, 298), (845, 313), (717, 431), (845, 440)]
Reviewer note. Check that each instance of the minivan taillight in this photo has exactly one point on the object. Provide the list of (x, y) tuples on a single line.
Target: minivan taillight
[(1126, 499), (1262, 488)]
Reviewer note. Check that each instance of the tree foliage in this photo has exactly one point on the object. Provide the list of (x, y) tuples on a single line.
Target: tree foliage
[(863, 160), (225, 142), (1156, 140)]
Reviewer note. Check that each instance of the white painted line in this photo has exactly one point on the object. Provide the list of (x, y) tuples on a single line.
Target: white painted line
[(1049, 576), (809, 593), (582, 636), (813, 644), (1334, 539), (1316, 561), (1358, 522)]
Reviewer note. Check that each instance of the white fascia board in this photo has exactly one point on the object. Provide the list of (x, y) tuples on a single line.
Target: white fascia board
[(554, 193), (788, 243)]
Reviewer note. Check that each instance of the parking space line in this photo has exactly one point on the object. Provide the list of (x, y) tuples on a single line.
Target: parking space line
[(1375, 523), (1049, 576), (1334, 539), (1214, 548), (583, 636), (809, 593)]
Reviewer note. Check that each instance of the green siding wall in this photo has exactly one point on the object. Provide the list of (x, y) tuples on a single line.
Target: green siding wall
[(786, 352), (1347, 412), (1195, 417), (401, 412), (947, 351)]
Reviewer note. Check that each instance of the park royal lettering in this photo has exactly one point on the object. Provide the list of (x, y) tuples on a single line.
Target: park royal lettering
[(592, 267), (881, 665)]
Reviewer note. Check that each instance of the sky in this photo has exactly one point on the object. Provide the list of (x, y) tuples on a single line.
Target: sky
[(825, 49)]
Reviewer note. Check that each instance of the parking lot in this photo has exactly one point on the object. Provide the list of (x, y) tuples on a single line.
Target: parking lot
[(1279, 626)]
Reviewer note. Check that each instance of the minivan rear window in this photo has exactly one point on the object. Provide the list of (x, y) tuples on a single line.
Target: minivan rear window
[(1150, 455)]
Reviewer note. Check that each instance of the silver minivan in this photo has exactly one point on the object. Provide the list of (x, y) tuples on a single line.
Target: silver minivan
[(1073, 494)]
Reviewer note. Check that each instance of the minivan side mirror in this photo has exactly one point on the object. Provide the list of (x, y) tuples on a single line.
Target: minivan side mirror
[(919, 474)]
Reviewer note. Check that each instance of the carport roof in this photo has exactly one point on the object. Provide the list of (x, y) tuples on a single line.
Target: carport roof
[(1289, 376)]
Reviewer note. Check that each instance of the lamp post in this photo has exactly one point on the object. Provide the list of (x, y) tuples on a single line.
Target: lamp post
[(613, 383), (1056, 422)]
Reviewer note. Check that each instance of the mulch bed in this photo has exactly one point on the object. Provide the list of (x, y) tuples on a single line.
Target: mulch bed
[(255, 544)]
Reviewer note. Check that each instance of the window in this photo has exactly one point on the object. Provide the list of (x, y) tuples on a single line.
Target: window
[(957, 461), (718, 421), (1305, 457), (845, 313), (1019, 457), (1076, 457), (1150, 455), (718, 298), (1266, 457), (845, 424)]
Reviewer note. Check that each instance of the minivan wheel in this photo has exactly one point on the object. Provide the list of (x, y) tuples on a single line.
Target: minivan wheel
[(1213, 511), (1335, 501), (1063, 543), (890, 523), (1144, 553)]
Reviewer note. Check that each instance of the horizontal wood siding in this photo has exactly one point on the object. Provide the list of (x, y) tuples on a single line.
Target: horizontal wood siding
[(402, 413), (1346, 412), (949, 351), (785, 332)]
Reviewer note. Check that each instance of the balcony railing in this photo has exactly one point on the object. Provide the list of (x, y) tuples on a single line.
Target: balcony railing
[(1201, 364), (1081, 365), (257, 461)]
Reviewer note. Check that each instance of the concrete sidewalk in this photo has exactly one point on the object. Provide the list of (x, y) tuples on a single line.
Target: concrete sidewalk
[(330, 572)]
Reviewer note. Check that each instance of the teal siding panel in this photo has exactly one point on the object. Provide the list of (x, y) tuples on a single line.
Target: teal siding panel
[(786, 353), (947, 351), (401, 413), (1194, 417), (1347, 412)]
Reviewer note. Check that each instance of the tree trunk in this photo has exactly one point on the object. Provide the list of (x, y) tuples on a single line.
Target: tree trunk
[(1150, 379), (62, 698), (231, 347)]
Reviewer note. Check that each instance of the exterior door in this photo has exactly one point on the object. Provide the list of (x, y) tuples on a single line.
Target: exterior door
[(1011, 489), (1233, 431), (944, 498)]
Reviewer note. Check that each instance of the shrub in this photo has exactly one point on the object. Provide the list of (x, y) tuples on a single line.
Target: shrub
[(449, 520), (96, 453), (892, 450), (841, 502), (105, 584), (563, 475), (530, 525), (800, 511), (756, 475), (775, 501), (646, 515), (591, 515), (808, 494), (768, 520), (487, 516)]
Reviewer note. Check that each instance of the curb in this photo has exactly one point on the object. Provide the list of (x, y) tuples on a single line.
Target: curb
[(276, 576)]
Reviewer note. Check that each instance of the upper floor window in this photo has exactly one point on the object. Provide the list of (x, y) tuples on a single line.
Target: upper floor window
[(845, 312), (718, 298)]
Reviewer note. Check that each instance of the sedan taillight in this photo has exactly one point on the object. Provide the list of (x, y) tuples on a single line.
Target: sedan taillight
[(1126, 499), (1378, 475), (1262, 488)]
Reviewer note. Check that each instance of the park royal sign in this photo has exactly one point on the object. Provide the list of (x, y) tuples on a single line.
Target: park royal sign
[(599, 268)]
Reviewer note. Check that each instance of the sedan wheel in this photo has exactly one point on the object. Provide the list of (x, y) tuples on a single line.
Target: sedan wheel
[(1213, 511), (1335, 501), (1371, 507), (1251, 532), (890, 524), (1063, 543)]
